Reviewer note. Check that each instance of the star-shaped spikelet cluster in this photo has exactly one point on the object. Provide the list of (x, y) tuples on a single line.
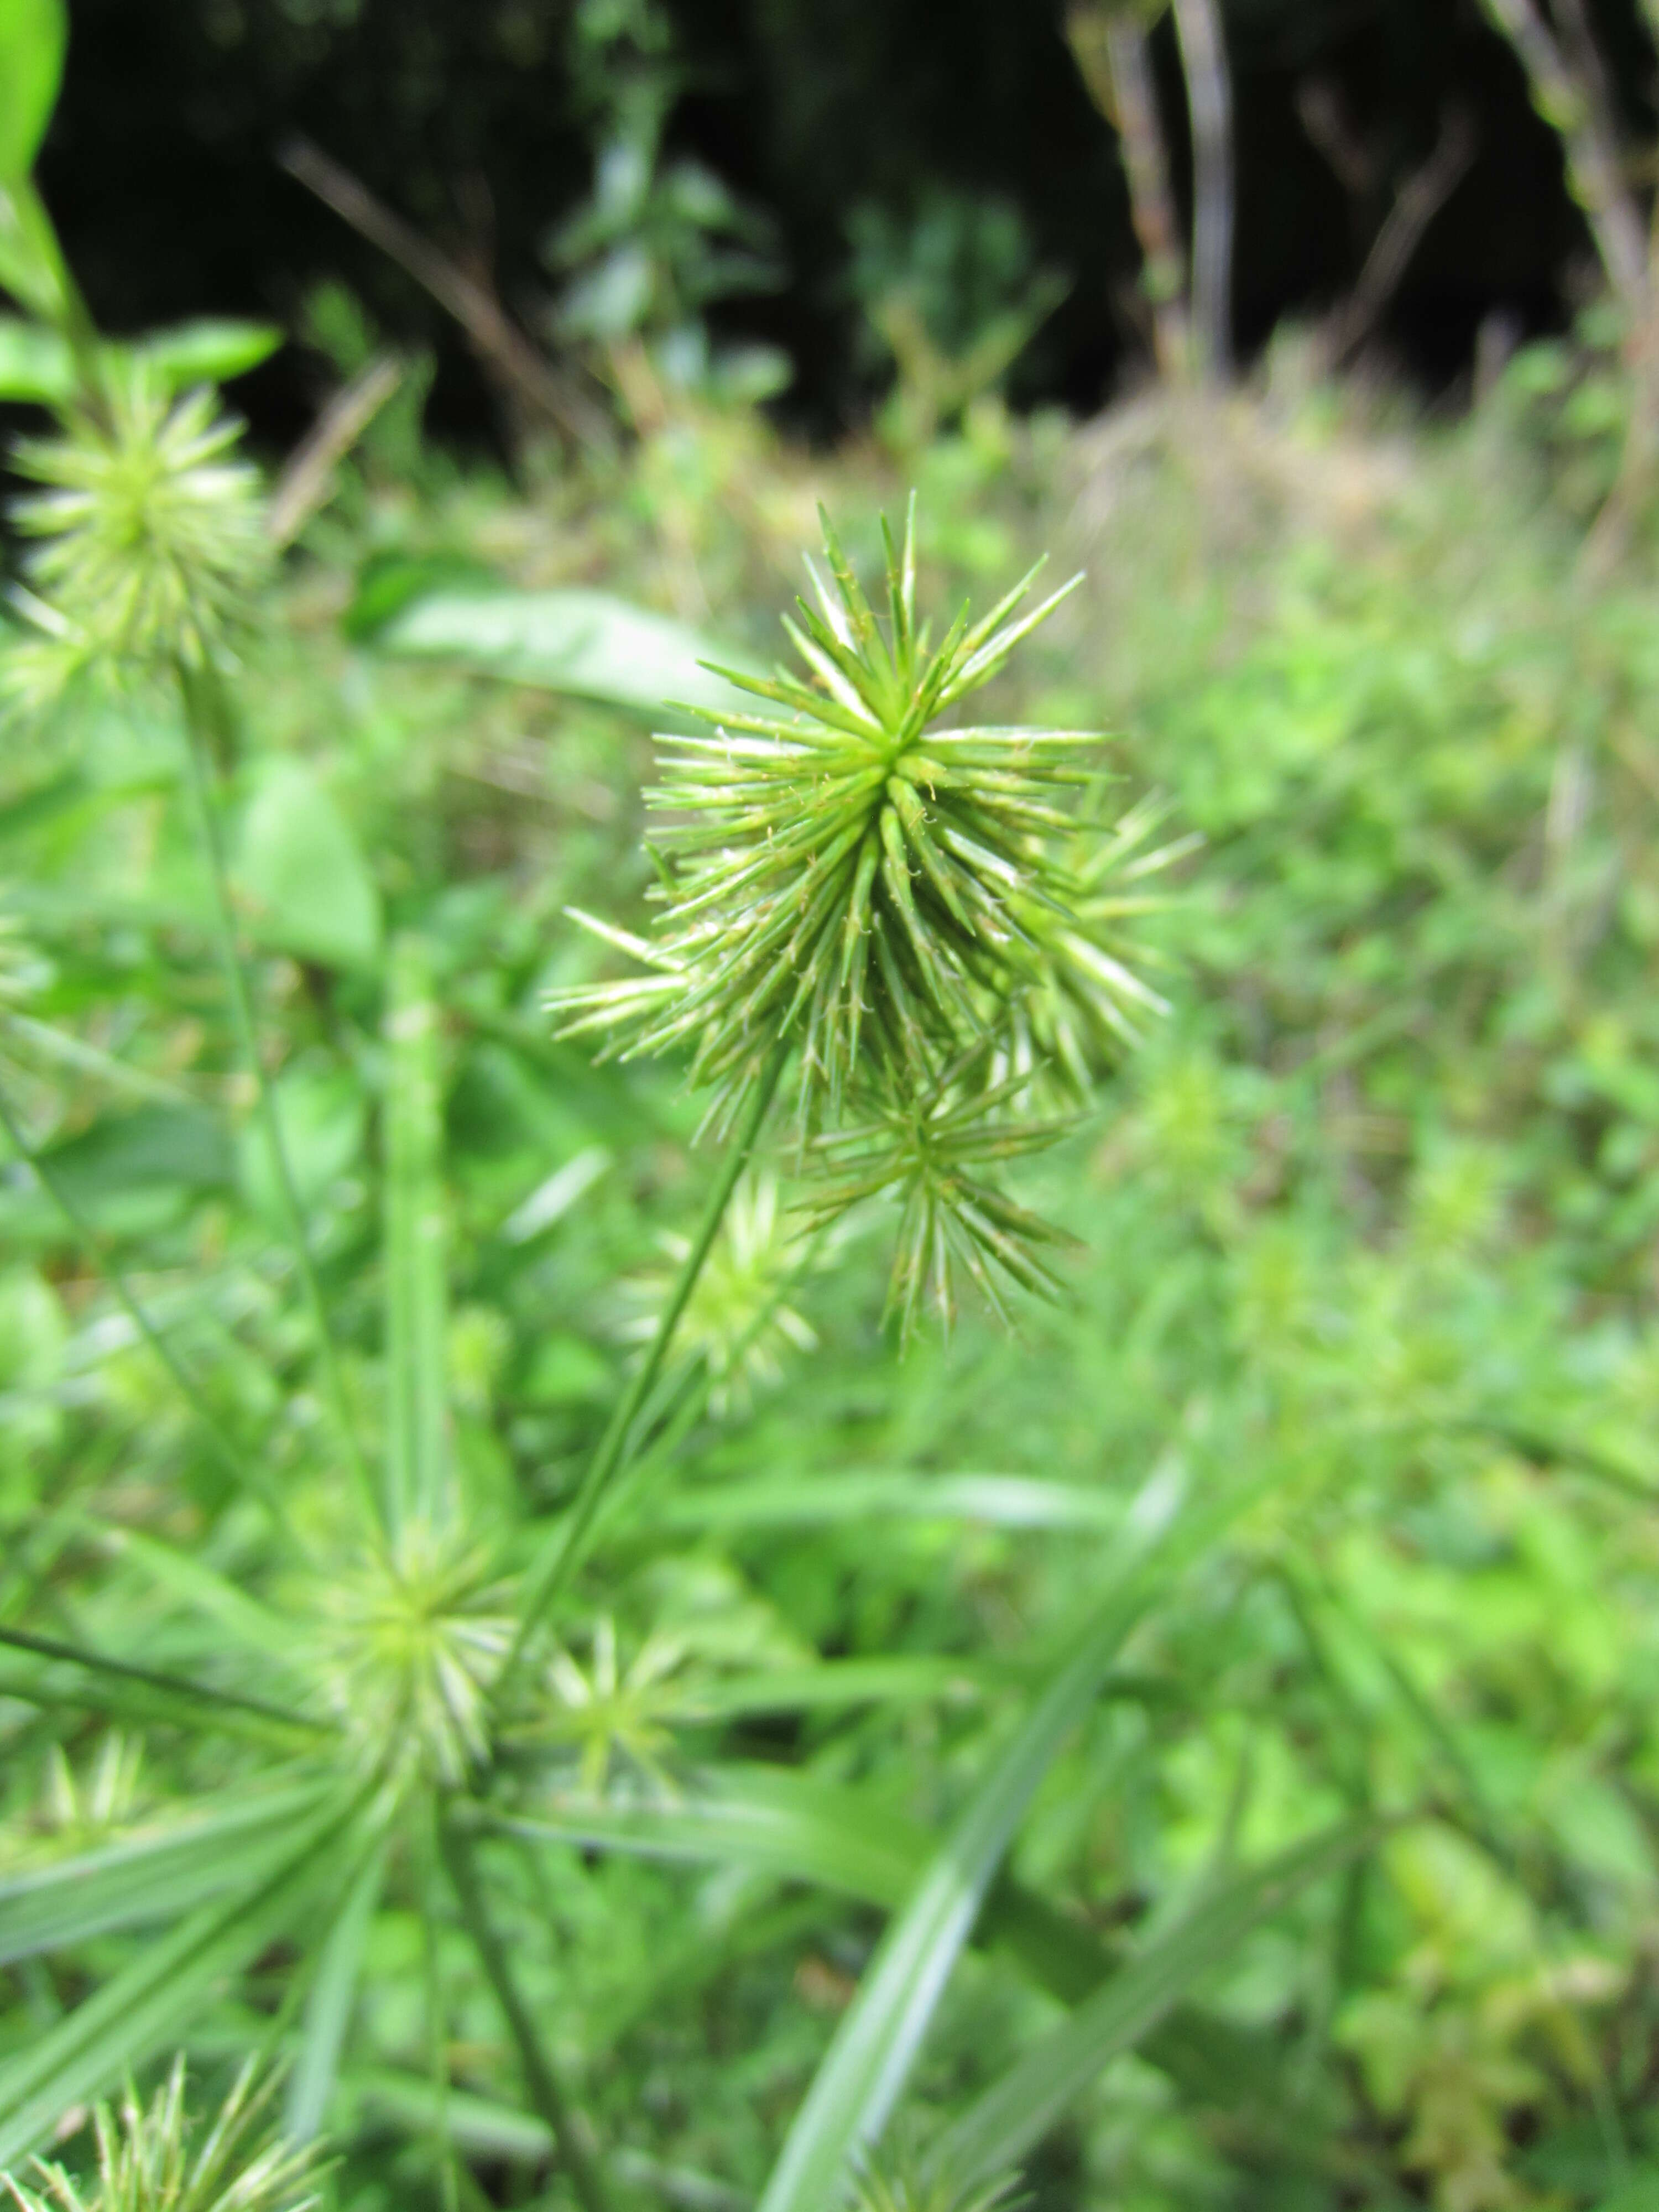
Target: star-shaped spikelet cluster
[(907, 904), (148, 536)]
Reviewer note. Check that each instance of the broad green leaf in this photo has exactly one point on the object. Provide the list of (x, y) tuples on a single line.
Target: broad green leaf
[(388, 581), (1635, 2191), (155, 2002), (156, 1149), (417, 1455), (37, 365), (148, 1877), (301, 874), (329, 2002), (585, 644), (34, 39), (866, 2066), (999, 1501), (1001, 2125), (32, 266)]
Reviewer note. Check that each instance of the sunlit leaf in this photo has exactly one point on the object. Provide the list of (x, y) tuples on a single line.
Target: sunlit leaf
[(34, 39), (585, 644)]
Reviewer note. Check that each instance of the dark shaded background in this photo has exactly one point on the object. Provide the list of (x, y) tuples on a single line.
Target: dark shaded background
[(463, 114)]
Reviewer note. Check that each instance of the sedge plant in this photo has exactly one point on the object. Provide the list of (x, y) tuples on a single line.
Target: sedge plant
[(896, 939)]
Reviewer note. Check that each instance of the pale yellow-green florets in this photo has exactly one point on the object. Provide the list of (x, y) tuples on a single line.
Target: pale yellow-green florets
[(151, 2158), (411, 1640), (149, 535)]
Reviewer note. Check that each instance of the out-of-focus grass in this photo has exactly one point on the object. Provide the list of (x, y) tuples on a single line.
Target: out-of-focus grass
[(1370, 1218)]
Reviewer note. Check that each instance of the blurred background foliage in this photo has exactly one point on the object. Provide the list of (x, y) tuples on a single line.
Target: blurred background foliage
[(856, 140), (1370, 1221)]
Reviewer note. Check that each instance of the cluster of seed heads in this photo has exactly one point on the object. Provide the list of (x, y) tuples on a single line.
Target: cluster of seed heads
[(925, 915)]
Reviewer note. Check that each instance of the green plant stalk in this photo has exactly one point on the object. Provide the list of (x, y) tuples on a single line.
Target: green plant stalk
[(684, 1403), (546, 2094), (559, 1560), (428, 1849), (196, 689), (241, 1470), (52, 294)]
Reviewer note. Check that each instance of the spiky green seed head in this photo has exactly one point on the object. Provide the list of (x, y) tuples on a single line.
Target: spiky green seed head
[(410, 1639), (929, 917), (151, 2158), (847, 874), (929, 1151), (612, 1711), (901, 2183), (149, 537)]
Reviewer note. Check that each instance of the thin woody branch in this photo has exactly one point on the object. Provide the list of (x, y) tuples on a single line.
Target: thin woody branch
[(536, 387), (1108, 43)]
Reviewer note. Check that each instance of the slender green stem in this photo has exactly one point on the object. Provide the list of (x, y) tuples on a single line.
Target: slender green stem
[(563, 1552), (683, 1407), (546, 2094), (445, 2154), (203, 717), (244, 1469)]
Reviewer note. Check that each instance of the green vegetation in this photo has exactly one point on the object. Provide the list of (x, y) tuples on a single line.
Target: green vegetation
[(1012, 1560)]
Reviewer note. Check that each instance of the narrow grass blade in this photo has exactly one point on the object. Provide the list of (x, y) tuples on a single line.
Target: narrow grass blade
[(1001, 2126), (771, 1821), (998, 1501), (766, 1819), (418, 1456), (206, 1592), (162, 1994), (150, 1877), (42, 1671), (329, 2001), (491, 2131), (867, 2065), (836, 1684)]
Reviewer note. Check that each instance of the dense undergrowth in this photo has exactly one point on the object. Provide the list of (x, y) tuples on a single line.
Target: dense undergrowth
[(1365, 1233)]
